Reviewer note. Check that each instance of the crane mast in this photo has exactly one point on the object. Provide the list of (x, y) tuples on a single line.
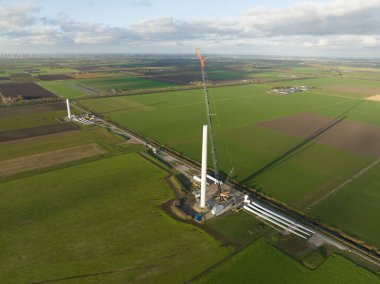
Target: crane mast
[(209, 119)]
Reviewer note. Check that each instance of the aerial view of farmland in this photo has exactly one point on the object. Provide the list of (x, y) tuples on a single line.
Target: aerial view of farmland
[(232, 145)]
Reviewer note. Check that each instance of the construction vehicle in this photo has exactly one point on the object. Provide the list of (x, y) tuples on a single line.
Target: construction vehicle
[(226, 194)]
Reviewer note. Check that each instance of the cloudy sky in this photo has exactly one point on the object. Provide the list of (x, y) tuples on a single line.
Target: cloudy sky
[(347, 28)]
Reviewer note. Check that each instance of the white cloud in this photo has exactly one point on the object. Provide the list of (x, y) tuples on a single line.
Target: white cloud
[(313, 18), (371, 41), (144, 3), (19, 16), (331, 25)]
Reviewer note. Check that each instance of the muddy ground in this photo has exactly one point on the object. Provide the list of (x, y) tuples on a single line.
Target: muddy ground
[(37, 131), (30, 109), (217, 235), (363, 90), (358, 137), (48, 159), (29, 91), (54, 77), (375, 98)]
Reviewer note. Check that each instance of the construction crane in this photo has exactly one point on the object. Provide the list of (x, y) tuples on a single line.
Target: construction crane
[(230, 175), (209, 119)]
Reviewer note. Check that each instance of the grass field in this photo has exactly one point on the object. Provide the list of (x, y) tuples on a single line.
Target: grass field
[(354, 207), (48, 159), (220, 75), (239, 228), (125, 83), (68, 89), (255, 151), (104, 221), (44, 70), (98, 220), (30, 120), (262, 263), (26, 147), (291, 169)]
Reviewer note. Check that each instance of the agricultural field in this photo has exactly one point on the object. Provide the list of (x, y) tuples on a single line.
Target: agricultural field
[(354, 207), (296, 168), (55, 69), (54, 77), (21, 117), (25, 91), (48, 159), (69, 89), (33, 137), (47, 143), (93, 228), (122, 83), (37, 131), (222, 71), (316, 150), (262, 263), (103, 189)]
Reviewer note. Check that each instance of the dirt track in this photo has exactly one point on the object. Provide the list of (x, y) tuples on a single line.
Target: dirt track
[(375, 98), (353, 136), (44, 160), (37, 131)]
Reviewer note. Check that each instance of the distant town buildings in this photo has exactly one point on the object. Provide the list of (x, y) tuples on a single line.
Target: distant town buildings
[(289, 90)]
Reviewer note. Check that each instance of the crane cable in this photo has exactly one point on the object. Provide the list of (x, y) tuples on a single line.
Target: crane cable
[(218, 121), (219, 124)]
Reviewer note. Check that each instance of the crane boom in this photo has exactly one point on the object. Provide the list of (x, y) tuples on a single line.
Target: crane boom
[(209, 119)]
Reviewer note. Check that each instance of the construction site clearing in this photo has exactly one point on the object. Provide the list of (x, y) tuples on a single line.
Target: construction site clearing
[(220, 200), (221, 197), (217, 202)]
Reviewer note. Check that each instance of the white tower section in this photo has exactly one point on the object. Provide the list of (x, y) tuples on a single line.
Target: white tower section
[(68, 109), (204, 167)]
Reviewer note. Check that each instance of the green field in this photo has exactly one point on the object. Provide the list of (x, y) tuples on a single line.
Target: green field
[(220, 74), (238, 228), (26, 147), (262, 263), (355, 207), (290, 169), (68, 89), (100, 220), (298, 178), (125, 83), (45, 70), (103, 221), (14, 122)]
